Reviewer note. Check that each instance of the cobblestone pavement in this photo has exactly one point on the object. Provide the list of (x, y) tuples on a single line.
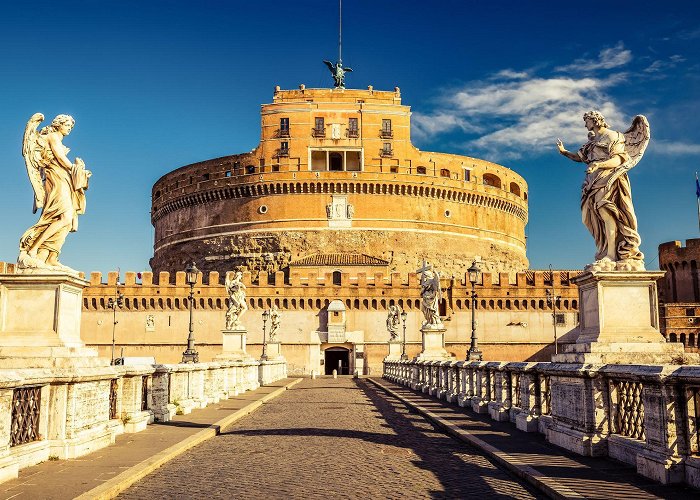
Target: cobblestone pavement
[(325, 438)]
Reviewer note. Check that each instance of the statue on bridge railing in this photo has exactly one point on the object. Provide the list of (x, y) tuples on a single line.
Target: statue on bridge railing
[(237, 300), (606, 196), (59, 190), (275, 322), (393, 320), (431, 294)]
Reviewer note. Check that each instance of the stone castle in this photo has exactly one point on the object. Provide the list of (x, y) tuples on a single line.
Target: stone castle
[(335, 183)]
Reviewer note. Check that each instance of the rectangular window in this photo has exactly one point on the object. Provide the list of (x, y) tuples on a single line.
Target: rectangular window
[(205, 177), (467, 174), (284, 148), (319, 127), (228, 173), (394, 170), (353, 131), (690, 311), (386, 149), (284, 127), (560, 319), (386, 129)]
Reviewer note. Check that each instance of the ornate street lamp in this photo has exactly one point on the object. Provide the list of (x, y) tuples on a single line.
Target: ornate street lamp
[(474, 354), (265, 316), (191, 355), (404, 315), (113, 303)]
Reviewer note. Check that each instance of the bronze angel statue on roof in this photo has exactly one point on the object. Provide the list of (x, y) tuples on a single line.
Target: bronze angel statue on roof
[(338, 72), (59, 191), (606, 195)]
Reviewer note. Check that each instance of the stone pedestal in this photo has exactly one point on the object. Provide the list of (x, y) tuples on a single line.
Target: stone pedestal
[(40, 322), (433, 337), (619, 321), (274, 351), (394, 350), (234, 345)]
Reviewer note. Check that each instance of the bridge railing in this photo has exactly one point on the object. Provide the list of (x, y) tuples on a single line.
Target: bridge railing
[(644, 415)]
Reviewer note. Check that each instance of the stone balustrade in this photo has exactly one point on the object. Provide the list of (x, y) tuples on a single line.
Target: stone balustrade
[(49, 413), (644, 415)]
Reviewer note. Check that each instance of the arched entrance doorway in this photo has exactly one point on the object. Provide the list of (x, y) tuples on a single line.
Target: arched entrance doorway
[(337, 358), (336, 160)]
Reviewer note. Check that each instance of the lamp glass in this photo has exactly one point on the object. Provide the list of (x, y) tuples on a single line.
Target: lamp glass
[(191, 273), (473, 273)]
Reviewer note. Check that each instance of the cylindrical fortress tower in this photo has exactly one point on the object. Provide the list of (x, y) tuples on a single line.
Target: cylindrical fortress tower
[(335, 173)]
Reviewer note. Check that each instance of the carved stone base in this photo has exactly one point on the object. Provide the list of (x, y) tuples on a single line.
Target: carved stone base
[(234, 345), (394, 350), (433, 344), (619, 321), (274, 351)]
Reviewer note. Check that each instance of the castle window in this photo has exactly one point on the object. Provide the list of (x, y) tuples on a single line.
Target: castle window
[(336, 278), (444, 172), (250, 169), (386, 150), (560, 319), (319, 127), (205, 177), (353, 130), (467, 174), (284, 127), (514, 188), (386, 132), (492, 180), (284, 148), (690, 311), (227, 174), (157, 194), (394, 170), (420, 170)]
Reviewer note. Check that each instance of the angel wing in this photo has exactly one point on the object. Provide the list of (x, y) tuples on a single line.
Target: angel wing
[(636, 140), (330, 66), (347, 70), (31, 150)]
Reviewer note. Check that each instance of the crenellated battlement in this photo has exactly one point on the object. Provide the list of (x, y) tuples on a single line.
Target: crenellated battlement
[(314, 291)]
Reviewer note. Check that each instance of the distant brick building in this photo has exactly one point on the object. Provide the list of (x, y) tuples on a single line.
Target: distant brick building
[(679, 292)]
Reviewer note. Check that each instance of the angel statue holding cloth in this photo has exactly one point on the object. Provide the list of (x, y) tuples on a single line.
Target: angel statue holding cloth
[(606, 195), (59, 191)]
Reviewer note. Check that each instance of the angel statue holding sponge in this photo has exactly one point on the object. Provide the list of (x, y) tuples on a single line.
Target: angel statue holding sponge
[(606, 195), (59, 191)]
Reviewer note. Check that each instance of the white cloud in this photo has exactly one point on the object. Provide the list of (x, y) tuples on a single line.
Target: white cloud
[(674, 148), (608, 58), (659, 66), (516, 118)]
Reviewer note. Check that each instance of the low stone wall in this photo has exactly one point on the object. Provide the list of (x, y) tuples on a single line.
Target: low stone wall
[(50, 414), (644, 415)]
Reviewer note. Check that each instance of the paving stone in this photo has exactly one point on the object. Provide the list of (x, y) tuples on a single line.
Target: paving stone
[(339, 438)]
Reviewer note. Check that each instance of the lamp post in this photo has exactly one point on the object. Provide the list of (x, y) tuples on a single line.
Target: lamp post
[(265, 316), (552, 299), (113, 303), (191, 355), (404, 356), (474, 354)]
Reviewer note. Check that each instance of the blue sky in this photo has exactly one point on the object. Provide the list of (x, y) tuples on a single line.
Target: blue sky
[(157, 85)]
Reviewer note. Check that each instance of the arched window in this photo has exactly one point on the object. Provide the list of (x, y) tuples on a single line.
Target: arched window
[(444, 172), (492, 180), (336, 278), (514, 188)]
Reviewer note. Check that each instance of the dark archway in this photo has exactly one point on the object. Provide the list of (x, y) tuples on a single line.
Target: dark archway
[(337, 358), (336, 161)]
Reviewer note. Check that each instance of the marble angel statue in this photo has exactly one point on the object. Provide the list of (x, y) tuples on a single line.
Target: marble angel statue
[(275, 322), (237, 300), (606, 196), (393, 321), (431, 294), (59, 191)]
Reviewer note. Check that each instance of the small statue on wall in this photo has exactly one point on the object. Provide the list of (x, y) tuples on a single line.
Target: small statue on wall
[(275, 322), (338, 71), (431, 294), (393, 321), (59, 190), (237, 300), (606, 196)]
